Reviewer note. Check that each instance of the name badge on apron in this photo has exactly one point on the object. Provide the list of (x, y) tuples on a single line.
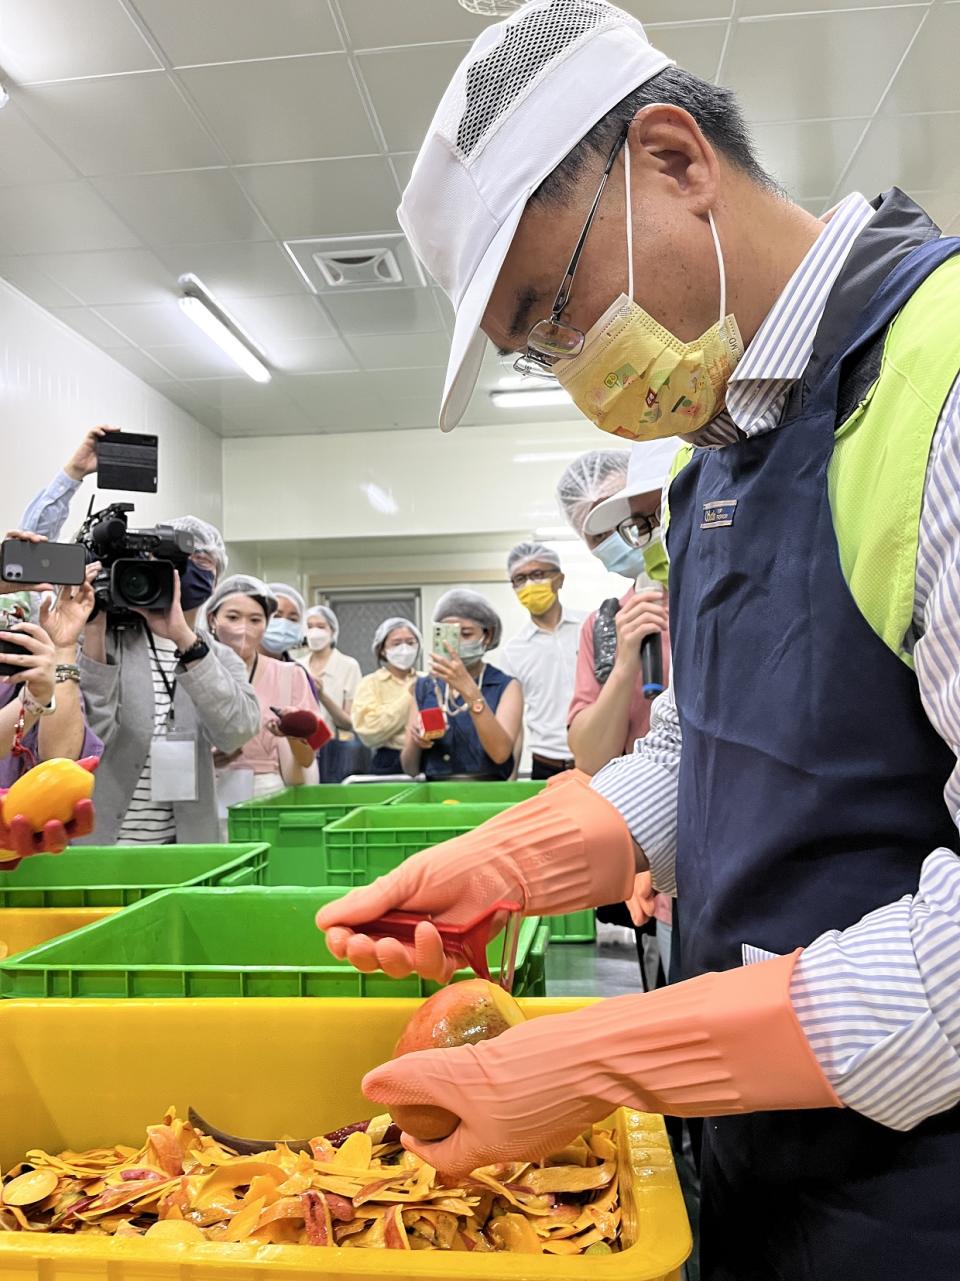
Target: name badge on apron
[(173, 768)]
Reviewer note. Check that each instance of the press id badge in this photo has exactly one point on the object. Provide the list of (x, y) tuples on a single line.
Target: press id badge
[(173, 768)]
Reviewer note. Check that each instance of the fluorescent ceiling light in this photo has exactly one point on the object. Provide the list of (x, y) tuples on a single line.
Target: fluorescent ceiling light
[(521, 382), (225, 332), (538, 399)]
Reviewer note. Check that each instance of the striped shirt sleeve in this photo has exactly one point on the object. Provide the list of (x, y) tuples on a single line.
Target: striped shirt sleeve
[(880, 1002), (643, 787)]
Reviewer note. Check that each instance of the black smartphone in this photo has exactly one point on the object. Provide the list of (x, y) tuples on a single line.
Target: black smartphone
[(10, 647), (127, 460), (61, 564)]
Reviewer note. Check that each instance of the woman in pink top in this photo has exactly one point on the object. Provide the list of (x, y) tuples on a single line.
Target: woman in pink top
[(237, 616)]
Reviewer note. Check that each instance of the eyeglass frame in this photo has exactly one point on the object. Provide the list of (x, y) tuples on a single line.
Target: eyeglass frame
[(534, 362), (535, 576), (648, 522)]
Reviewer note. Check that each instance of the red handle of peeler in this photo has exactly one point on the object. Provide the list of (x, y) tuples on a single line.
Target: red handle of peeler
[(466, 942)]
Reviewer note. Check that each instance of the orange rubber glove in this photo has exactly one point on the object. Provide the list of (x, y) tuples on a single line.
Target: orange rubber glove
[(565, 849), (712, 1046)]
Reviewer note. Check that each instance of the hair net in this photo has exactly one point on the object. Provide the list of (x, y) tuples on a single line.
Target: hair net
[(390, 625), (241, 585), (291, 593), (328, 615), (524, 553), (207, 538), (588, 480), (461, 602)]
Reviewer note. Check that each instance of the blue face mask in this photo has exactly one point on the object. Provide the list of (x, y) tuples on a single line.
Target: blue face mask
[(196, 586), (619, 557), (281, 635)]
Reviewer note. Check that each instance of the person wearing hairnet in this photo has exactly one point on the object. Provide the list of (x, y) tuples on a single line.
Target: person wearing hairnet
[(543, 655), (481, 707), (603, 213), (285, 630), (238, 614), (382, 704), (611, 497), (335, 676), (161, 697)]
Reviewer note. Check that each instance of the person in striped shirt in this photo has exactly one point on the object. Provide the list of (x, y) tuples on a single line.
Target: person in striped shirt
[(792, 785)]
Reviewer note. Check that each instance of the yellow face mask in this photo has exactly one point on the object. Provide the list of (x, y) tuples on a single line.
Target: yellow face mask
[(637, 380), (537, 598)]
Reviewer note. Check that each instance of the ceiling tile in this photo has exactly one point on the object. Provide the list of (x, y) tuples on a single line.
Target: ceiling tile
[(152, 324), (118, 276), (403, 166), (335, 400), (90, 325), (245, 269), (59, 216), (398, 351), (276, 319), (799, 67), (201, 359), (324, 197), (122, 124), (384, 311), (408, 384), (286, 419), (224, 30), (928, 79), (25, 275), (406, 85), (49, 40), (918, 153), (184, 208), (696, 48), (308, 355), (651, 12), (239, 392), (139, 363), (24, 155), (283, 109), (806, 157), (182, 394), (413, 412), (749, 8), (375, 24), (942, 206)]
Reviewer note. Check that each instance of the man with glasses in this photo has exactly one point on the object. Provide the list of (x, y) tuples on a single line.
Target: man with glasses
[(543, 655), (793, 782)]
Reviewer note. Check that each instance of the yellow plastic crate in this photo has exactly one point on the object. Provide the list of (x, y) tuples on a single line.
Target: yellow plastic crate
[(81, 1073), (24, 927)]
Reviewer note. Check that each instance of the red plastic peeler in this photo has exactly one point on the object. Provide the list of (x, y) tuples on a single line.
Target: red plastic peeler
[(467, 942)]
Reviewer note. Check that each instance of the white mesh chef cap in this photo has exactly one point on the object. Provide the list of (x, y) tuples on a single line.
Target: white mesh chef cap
[(390, 625), (588, 480), (525, 553), (207, 538), (328, 616), (291, 593), (461, 602)]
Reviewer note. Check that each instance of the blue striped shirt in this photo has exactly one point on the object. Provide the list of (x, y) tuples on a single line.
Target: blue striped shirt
[(879, 1002)]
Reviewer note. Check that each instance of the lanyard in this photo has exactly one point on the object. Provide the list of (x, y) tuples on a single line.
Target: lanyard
[(447, 701), (170, 688)]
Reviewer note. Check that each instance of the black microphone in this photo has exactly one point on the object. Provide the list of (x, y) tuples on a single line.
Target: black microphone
[(651, 652)]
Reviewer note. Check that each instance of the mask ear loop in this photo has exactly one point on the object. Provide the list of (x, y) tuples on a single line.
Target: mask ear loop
[(626, 181), (723, 273)]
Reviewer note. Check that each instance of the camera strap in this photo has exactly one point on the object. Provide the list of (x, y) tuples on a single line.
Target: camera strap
[(170, 687)]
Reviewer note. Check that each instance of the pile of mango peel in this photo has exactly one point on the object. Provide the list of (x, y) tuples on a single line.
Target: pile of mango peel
[(183, 1186)]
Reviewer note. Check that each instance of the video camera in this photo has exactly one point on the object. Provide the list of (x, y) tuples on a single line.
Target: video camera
[(137, 564)]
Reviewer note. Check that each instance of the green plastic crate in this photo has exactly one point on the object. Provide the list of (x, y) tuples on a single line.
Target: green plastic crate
[(466, 793), (114, 876), (575, 927), (251, 942), (292, 824), (369, 842)]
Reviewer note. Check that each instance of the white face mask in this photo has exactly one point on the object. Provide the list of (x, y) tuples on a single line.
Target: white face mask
[(318, 638), (402, 657)]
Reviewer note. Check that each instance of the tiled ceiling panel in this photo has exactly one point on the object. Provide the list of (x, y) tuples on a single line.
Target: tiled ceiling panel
[(157, 137)]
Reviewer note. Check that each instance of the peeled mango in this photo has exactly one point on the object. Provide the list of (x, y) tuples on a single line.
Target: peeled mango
[(50, 790), (461, 1014)]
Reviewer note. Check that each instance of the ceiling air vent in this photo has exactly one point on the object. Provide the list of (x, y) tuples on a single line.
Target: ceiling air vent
[(345, 263)]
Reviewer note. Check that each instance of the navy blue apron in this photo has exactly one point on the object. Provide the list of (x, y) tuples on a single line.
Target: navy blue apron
[(810, 792), (459, 752)]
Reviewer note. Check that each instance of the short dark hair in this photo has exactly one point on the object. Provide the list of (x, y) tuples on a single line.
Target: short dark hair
[(715, 109)]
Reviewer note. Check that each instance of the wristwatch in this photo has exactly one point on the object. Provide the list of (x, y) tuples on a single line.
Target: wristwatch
[(478, 705), (199, 649), (30, 704)]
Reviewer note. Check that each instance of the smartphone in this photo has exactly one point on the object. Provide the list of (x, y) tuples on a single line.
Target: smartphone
[(61, 564), (127, 460), (445, 634), (10, 647)]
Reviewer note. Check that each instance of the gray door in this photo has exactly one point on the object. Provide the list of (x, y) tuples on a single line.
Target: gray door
[(360, 613)]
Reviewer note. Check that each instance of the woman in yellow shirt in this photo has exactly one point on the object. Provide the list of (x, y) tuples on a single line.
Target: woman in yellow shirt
[(381, 704)]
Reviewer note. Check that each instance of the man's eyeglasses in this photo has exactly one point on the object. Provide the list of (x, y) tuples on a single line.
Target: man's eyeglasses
[(638, 531), (534, 576), (552, 340)]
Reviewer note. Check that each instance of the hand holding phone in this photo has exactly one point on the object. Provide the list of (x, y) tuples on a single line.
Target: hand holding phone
[(32, 563)]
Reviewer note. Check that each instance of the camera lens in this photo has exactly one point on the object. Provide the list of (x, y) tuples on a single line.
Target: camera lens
[(140, 585)]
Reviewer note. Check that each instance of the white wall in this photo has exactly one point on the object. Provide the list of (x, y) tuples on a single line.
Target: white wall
[(54, 385)]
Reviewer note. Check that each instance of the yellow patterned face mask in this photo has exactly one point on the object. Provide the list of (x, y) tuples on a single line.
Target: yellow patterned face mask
[(635, 379)]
